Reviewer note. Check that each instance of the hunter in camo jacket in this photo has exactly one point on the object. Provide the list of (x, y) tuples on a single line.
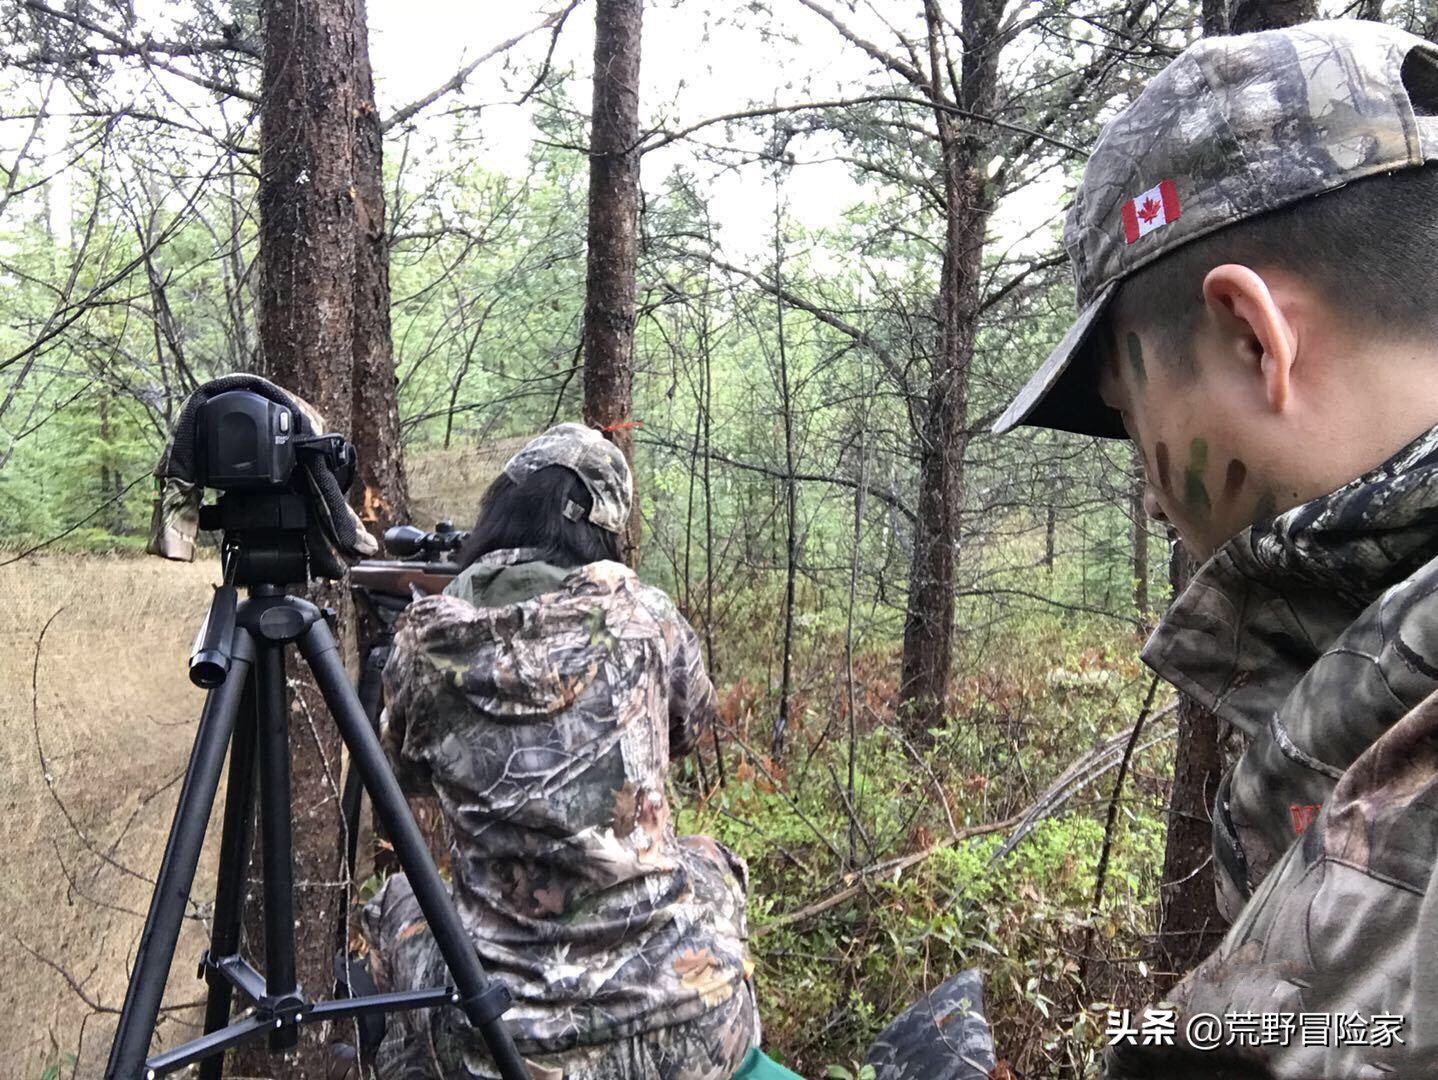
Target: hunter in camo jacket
[(542, 705), (1313, 631)]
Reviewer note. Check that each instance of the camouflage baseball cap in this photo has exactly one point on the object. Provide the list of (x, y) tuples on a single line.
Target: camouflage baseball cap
[(1232, 128), (596, 461)]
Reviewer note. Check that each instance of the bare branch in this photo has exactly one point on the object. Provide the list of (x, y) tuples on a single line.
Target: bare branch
[(454, 82), (867, 99), (908, 72)]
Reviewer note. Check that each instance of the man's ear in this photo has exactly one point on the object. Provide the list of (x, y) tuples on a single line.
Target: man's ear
[(1247, 311)]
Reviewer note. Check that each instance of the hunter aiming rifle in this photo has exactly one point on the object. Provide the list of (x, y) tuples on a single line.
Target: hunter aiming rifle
[(284, 521), (943, 1036)]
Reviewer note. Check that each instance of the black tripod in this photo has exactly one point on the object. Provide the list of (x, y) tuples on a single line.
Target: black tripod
[(240, 656)]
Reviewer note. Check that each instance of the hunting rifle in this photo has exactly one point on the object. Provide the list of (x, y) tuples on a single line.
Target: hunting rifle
[(423, 561)]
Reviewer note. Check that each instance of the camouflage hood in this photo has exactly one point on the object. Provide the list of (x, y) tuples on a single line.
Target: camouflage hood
[(519, 676), (1279, 631), (506, 577)]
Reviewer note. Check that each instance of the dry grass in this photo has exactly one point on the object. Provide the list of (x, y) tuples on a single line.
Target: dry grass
[(447, 484), (109, 714), (93, 737)]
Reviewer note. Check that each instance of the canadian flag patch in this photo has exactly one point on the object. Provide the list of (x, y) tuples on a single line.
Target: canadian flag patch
[(1153, 209)]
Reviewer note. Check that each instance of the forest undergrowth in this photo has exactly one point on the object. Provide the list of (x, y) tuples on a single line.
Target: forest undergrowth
[(915, 905), (861, 900)]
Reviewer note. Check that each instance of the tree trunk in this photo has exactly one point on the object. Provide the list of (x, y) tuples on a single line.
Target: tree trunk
[(381, 491), (1214, 14), (929, 613), (110, 482), (1050, 523), (307, 256), (240, 304), (791, 545), (1189, 923), (1246, 16), (613, 229), (1140, 537)]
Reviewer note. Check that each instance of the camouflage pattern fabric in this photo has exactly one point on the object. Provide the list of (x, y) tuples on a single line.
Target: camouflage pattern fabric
[(593, 458), (175, 519), (944, 1036), (437, 1044), (1235, 126), (545, 728), (1317, 636)]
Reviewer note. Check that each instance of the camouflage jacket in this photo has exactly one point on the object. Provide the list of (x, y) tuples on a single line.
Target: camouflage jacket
[(1317, 637), (545, 727)]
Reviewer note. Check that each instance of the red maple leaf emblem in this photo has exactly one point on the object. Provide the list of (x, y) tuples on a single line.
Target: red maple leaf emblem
[(1149, 210)]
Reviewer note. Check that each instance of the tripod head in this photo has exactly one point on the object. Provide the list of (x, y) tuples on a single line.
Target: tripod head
[(262, 537)]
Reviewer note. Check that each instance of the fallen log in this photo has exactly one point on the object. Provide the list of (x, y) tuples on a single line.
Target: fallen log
[(881, 869)]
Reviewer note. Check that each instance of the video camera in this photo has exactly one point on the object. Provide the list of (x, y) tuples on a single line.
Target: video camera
[(281, 508), (249, 443)]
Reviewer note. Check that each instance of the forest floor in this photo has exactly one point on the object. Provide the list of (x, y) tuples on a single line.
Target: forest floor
[(96, 718), (97, 715)]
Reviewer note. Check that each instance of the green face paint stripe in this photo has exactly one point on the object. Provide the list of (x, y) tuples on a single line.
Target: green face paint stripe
[(1135, 358), (1195, 495)]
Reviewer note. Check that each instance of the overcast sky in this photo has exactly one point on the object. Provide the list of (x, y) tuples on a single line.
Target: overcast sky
[(695, 64), (699, 60)]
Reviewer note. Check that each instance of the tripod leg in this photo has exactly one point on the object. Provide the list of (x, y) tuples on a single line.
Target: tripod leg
[(370, 694), (177, 869), (482, 1000), (274, 755), (234, 862)]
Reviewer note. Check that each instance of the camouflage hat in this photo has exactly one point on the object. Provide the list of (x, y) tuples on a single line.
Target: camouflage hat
[(596, 461), (1233, 127)]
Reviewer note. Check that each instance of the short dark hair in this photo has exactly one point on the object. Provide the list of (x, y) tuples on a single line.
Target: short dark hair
[(530, 514), (1370, 250)]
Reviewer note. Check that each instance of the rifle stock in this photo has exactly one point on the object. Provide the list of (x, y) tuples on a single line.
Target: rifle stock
[(395, 577)]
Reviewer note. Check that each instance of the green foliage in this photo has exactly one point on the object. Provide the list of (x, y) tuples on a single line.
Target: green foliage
[(62, 1066), (829, 983)]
